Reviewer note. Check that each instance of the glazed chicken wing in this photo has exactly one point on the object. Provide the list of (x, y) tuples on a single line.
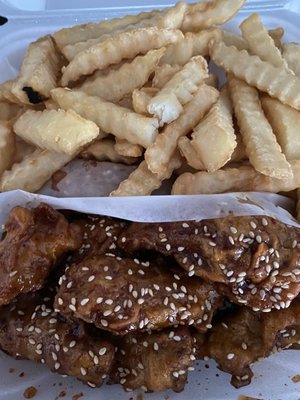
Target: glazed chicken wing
[(123, 295), (254, 261), (239, 339), (154, 362), (35, 241), (30, 329)]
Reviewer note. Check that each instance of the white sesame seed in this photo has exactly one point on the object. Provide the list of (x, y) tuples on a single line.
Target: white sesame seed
[(102, 351), (57, 365), (52, 321), (108, 277), (230, 356), (13, 273), (155, 346), (180, 248), (211, 243), (83, 371), (185, 225), (168, 247), (91, 278), (253, 224)]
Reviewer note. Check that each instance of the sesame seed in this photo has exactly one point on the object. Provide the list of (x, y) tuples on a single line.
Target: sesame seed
[(155, 346), (253, 225), (13, 273), (233, 229), (230, 356), (177, 338), (83, 371), (57, 365), (211, 243), (175, 374), (102, 351), (99, 300), (72, 308), (185, 225), (109, 302), (129, 272), (264, 222), (180, 248), (91, 278), (52, 321), (231, 240), (168, 247)]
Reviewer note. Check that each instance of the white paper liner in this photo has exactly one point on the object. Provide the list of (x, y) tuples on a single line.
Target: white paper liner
[(161, 208)]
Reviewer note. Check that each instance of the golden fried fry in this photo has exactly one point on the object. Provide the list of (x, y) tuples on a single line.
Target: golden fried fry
[(214, 138), (142, 182), (39, 72), (163, 73), (141, 98), (104, 150), (115, 49), (243, 179), (167, 104), (6, 94), (193, 44), (127, 149), (260, 42), (84, 32), (7, 146), (170, 18), (276, 81), (118, 83), (203, 15), (291, 53), (189, 153), (33, 171), (261, 145), (285, 122), (119, 121), (159, 153), (56, 130)]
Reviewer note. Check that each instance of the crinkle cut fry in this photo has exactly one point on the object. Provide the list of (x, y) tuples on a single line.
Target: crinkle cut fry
[(203, 15), (158, 154), (114, 50), (142, 182), (240, 179), (262, 148), (277, 82)]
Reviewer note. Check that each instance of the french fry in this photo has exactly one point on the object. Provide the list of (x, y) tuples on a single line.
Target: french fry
[(113, 50), (127, 149), (189, 153), (6, 94), (291, 53), (23, 149), (141, 98), (163, 73), (8, 110), (60, 131), (126, 102), (7, 146), (170, 18), (193, 44), (276, 81), (261, 145), (167, 104), (142, 182), (285, 122), (104, 150), (260, 42), (214, 138), (33, 171), (118, 83), (119, 121), (243, 179), (159, 153), (203, 15), (39, 72), (79, 33), (232, 39)]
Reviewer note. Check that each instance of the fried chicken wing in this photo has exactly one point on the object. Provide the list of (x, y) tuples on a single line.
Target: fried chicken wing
[(239, 339), (35, 241), (100, 235), (123, 295), (31, 329), (254, 261), (154, 362)]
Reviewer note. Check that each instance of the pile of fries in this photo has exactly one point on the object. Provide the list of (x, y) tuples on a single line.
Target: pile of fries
[(138, 90)]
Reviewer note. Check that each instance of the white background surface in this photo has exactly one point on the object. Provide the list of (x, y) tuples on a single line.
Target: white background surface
[(31, 19)]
